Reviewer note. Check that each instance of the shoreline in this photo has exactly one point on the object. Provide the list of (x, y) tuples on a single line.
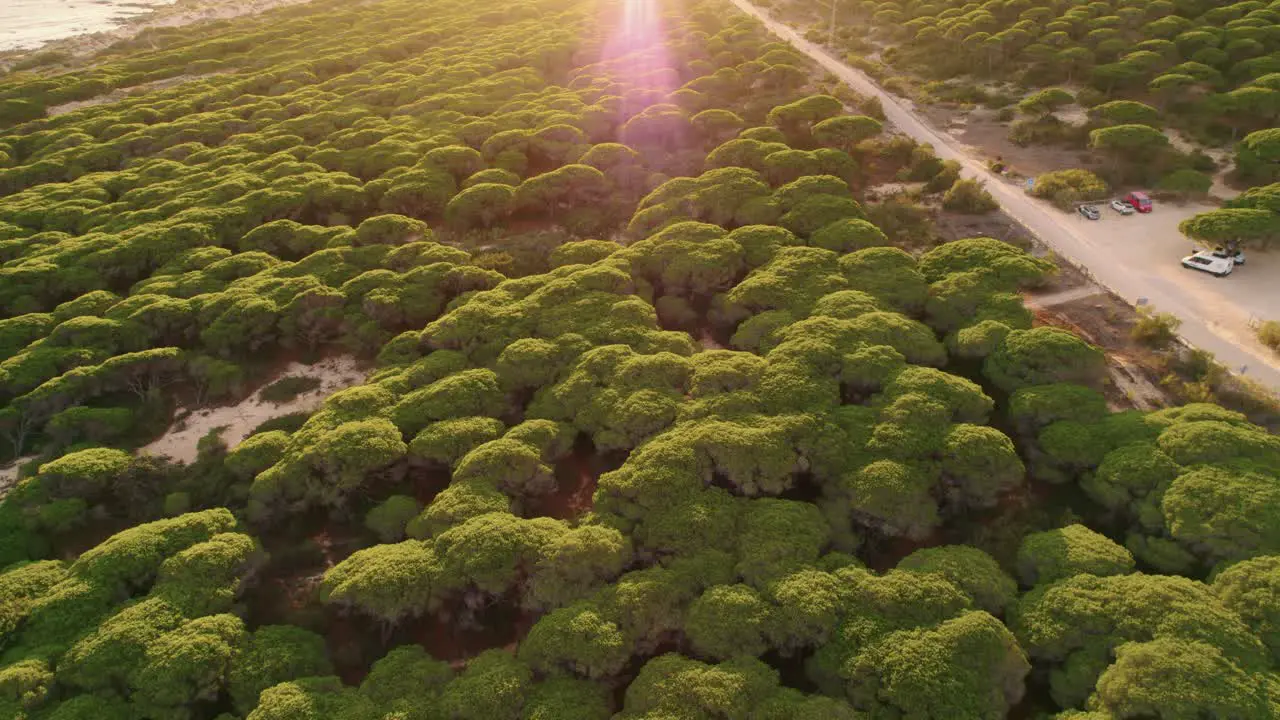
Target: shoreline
[(77, 48)]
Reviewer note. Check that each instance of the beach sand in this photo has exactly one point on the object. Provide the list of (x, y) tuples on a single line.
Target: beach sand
[(78, 48), (28, 24)]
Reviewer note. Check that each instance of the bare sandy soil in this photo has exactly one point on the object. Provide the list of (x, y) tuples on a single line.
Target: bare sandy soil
[(122, 93), (9, 473), (1133, 372), (979, 132), (1222, 156), (237, 421)]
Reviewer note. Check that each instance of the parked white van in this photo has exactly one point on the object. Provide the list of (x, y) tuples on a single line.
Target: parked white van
[(1206, 261)]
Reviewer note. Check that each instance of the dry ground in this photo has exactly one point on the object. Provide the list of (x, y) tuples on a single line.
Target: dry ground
[(9, 473), (237, 421), (1133, 371), (979, 132), (122, 93)]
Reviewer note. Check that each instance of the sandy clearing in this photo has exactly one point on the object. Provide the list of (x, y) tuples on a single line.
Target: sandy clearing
[(1138, 391), (122, 93), (983, 134), (9, 473), (1073, 115), (334, 373), (1062, 297)]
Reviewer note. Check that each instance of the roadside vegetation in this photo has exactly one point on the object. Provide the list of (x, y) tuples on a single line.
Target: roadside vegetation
[(1111, 78), (1249, 220), (670, 415), (1269, 334)]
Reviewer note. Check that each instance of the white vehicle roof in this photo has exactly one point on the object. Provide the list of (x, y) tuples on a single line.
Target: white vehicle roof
[(1206, 260)]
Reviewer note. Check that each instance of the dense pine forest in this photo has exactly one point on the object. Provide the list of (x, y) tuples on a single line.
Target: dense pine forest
[(667, 414)]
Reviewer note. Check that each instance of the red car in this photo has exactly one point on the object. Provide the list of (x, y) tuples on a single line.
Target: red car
[(1139, 201)]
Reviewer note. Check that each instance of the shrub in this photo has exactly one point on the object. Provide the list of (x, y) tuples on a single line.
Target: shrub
[(1067, 187), (848, 235), (391, 230), (1046, 130), (846, 131), (480, 205), (285, 423), (492, 176), (818, 211), (388, 518), (1185, 183), (1045, 101), (903, 220), (1155, 329), (1125, 112), (873, 108), (1258, 156), (1044, 355), (287, 388), (1269, 334), (582, 252), (1053, 555), (969, 196), (945, 178)]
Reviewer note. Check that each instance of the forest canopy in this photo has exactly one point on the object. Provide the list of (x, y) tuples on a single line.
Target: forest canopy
[(663, 417)]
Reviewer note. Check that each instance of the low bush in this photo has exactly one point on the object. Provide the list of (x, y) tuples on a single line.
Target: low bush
[(287, 423), (1067, 187), (286, 389), (1045, 130), (970, 197), (1184, 184), (1155, 329), (945, 178), (1269, 334)]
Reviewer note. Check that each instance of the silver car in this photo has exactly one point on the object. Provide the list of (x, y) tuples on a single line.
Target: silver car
[(1237, 256)]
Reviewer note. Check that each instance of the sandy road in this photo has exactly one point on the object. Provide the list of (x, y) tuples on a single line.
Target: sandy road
[(1217, 326)]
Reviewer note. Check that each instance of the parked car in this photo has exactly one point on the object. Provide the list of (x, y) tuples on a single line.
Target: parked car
[(1139, 200), (1089, 211), (1122, 207), (1237, 256), (1206, 261)]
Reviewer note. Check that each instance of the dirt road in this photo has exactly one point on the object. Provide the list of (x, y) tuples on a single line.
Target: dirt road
[(1219, 326)]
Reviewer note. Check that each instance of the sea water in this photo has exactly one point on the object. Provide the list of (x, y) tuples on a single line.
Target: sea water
[(26, 24)]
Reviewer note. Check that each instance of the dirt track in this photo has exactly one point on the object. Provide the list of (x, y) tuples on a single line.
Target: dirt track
[(1214, 319)]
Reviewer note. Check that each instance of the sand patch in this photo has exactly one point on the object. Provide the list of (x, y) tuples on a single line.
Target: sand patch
[(237, 421), (1134, 386), (122, 93), (889, 189), (9, 474), (1222, 156), (1072, 115)]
